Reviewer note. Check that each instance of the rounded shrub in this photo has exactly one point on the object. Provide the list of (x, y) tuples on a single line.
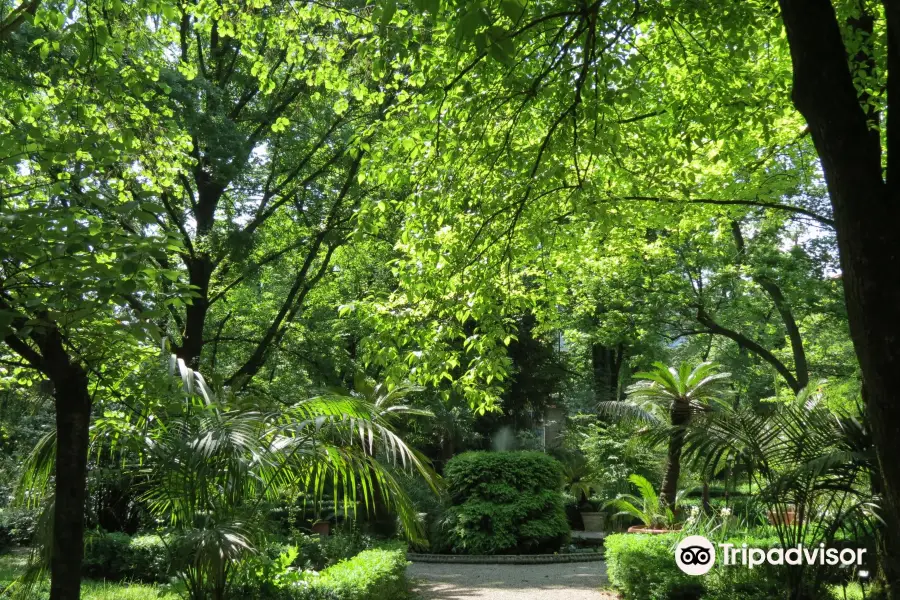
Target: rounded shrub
[(505, 503)]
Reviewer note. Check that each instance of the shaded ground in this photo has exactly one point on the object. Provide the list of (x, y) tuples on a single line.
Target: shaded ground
[(12, 565), (565, 581)]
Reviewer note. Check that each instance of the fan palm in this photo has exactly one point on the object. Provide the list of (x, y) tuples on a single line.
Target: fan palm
[(666, 395)]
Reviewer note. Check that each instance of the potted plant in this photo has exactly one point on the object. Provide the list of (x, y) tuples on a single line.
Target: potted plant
[(594, 521), (592, 516), (322, 523), (655, 517), (577, 473)]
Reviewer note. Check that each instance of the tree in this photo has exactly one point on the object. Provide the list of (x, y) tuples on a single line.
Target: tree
[(668, 122), (79, 154), (802, 457), (552, 126), (280, 102), (761, 291), (856, 137), (208, 463), (679, 393)]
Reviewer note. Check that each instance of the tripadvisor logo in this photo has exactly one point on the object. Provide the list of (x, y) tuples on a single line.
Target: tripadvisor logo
[(695, 555)]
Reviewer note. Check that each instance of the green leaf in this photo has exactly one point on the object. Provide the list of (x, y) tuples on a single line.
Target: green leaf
[(514, 9), (470, 23), (387, 11)]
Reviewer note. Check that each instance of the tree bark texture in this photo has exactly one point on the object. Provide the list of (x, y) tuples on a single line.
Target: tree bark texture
[(73, 416), (680, 415), (866, 208), (606, 363)]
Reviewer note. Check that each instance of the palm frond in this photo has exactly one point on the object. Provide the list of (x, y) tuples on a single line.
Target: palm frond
[(626, 411)]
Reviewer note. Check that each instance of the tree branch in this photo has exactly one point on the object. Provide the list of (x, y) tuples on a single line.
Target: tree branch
[(750, 345), (768, 205)]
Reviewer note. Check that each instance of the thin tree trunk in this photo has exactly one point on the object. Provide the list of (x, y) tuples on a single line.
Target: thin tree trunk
[(606, 363), (200, 270), (707, 504), (746, 343), (200, 265), (801, 366)]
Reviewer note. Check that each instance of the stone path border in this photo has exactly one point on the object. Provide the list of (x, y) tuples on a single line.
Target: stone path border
[(506, 559)]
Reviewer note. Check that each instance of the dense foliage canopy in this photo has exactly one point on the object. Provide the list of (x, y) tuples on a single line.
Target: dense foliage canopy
[(440, 220)]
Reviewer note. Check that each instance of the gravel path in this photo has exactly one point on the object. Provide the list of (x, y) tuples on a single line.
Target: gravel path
[(564, 581)]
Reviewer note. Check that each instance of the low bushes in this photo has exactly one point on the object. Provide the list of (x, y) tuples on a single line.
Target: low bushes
[(376, 574), (17, 526), (643, 567), (118, 556), (505, 503), (372, 574), (316, 553)]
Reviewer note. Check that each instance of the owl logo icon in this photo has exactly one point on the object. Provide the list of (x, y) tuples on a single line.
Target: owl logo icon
[(695, 555)]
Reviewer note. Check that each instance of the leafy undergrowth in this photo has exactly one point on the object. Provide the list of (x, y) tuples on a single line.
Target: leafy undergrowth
[(12, 565)]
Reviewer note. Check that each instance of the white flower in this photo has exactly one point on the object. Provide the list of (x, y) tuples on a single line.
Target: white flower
[(725, 512), (695, 510)]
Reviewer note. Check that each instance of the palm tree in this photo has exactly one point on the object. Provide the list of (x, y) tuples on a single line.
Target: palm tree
[(666, 395), (813, 467), (208, 464), (801, 456)]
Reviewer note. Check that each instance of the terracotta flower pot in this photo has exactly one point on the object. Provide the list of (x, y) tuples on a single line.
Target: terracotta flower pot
[(786, 517), (323, 528), (642, 529)]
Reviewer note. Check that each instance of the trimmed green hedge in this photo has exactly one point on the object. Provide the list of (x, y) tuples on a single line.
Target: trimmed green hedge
[(505, 503), (378, 574), (374, 574), (643, 567)]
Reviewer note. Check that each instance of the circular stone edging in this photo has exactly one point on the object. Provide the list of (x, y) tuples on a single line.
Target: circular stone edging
[(506, 559)]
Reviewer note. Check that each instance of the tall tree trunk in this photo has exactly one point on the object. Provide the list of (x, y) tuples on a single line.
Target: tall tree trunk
[(72, 399), (73, 416), (201, 264), (606, 363), (866, 213), (680, 415), (200, 270)]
